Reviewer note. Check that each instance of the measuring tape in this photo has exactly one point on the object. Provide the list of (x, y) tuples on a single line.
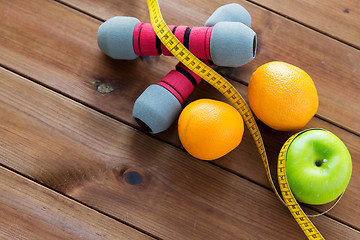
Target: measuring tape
[(226, 89), (304, 222)]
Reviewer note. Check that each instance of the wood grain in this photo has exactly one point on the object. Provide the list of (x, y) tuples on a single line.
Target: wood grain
[(134, 177), (30, 211), (74, 65), (57, 47), (305, 48), (338, 19), (238, 160)]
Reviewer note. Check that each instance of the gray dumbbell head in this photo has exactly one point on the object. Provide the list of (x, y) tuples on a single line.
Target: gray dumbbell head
[(232, 44), (115, 37), (232, 12), (156, 109)]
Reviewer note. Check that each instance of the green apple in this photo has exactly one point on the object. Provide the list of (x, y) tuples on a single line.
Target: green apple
[(318, 166)]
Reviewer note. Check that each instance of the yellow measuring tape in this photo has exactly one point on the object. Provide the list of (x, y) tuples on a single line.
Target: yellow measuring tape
[(306, 225), (225, 88)]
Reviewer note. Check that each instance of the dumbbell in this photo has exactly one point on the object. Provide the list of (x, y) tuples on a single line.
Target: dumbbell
[(160, 104), (228, 44)]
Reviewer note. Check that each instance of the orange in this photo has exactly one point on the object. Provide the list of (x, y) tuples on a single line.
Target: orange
[(282, 96), (209, 129)]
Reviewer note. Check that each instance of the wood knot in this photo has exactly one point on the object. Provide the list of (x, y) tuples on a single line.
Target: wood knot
[(133, 178), (103, 87)]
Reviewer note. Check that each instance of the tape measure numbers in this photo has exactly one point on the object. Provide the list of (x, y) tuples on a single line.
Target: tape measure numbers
[(226, 89), (301, 218)]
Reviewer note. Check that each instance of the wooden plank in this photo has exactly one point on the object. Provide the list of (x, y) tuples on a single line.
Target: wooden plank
[(333, 66), (30, 211), (308, 47), (57, 47), (132, 176), (73, 64), (338, 19), (79, 71), (238, 159), (343, 211)]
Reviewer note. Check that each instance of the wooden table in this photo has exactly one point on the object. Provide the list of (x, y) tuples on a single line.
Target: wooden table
[(69, 145)]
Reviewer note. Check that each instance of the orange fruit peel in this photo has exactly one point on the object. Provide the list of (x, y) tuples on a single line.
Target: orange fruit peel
[(209, 129), (282, 96)]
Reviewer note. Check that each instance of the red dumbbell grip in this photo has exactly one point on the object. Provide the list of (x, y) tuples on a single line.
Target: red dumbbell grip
[(197, 40), (181, 82)]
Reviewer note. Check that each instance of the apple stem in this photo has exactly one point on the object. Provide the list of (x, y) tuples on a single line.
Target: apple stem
[(320, 162)]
